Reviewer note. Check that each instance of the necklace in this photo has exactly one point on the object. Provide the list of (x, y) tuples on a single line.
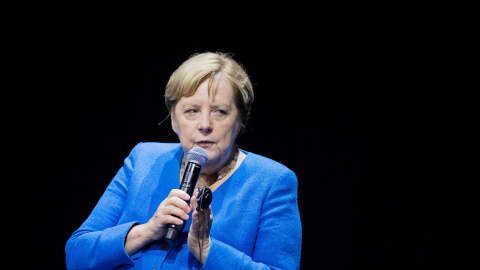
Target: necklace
[(229, 168), (222, 172)]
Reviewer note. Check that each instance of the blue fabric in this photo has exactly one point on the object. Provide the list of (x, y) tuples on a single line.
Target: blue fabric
[(256, 222)]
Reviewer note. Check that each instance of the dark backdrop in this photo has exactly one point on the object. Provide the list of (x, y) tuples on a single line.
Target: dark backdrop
[(370, 104)]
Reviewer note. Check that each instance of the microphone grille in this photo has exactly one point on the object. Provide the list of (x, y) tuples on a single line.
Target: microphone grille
[(197, 155)]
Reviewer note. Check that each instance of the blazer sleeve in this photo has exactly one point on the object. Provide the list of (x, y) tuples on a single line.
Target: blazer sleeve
[(279, 238), (99, 242)]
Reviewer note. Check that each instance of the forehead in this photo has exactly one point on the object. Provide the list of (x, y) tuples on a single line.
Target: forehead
[(213, 91)]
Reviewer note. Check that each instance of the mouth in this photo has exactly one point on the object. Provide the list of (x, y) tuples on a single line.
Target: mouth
[(204, 144)]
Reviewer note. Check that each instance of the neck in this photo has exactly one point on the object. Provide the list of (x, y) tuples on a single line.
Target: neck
[(209, 178)]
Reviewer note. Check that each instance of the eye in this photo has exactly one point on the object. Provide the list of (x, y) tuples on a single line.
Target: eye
[(191, 113), (220, 112)]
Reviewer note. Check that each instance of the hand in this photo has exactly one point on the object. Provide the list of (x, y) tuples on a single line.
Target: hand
[(174, 209), (143, 234), (199, 235)]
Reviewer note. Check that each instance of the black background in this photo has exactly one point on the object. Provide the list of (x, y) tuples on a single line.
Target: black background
[(371, 104)]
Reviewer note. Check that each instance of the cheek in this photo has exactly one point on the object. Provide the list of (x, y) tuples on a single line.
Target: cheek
[(174, 122), (238, 128), (232, 132), (175, 127)]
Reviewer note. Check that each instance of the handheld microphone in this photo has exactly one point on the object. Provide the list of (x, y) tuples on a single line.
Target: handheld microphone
[(196, 158)]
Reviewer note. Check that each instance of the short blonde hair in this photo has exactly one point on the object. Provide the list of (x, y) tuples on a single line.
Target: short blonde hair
[(213, 67)]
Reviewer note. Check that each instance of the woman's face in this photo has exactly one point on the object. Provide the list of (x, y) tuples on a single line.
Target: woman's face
[(210, 122)]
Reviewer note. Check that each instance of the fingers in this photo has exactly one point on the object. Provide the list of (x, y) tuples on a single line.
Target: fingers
[(176, 212), (172, 210), (177, 198), (201, 223), (179, 193), (204, 216), (193, 201), (199, 235), (167, 219), (174, 205)]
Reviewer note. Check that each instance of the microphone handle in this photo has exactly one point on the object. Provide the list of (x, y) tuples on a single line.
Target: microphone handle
[(189, 181), (190, 177)]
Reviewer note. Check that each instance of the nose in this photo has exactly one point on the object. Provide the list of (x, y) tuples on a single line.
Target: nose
[(205, 125)]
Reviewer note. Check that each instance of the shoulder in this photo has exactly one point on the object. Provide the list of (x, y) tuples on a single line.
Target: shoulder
[(261, 162), (258, 164), (262, 175)]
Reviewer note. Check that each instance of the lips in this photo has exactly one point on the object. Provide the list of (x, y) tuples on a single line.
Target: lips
[(204, 144)]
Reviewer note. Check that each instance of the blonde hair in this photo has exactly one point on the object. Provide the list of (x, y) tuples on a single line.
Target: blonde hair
[(213, 67)]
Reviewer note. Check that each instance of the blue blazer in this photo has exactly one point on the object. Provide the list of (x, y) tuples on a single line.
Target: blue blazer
[(256, 222)]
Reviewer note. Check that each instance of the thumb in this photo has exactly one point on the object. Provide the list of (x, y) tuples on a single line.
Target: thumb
[(193, 200)]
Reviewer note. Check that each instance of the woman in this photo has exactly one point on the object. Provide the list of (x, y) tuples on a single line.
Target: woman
[(253, 221)]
